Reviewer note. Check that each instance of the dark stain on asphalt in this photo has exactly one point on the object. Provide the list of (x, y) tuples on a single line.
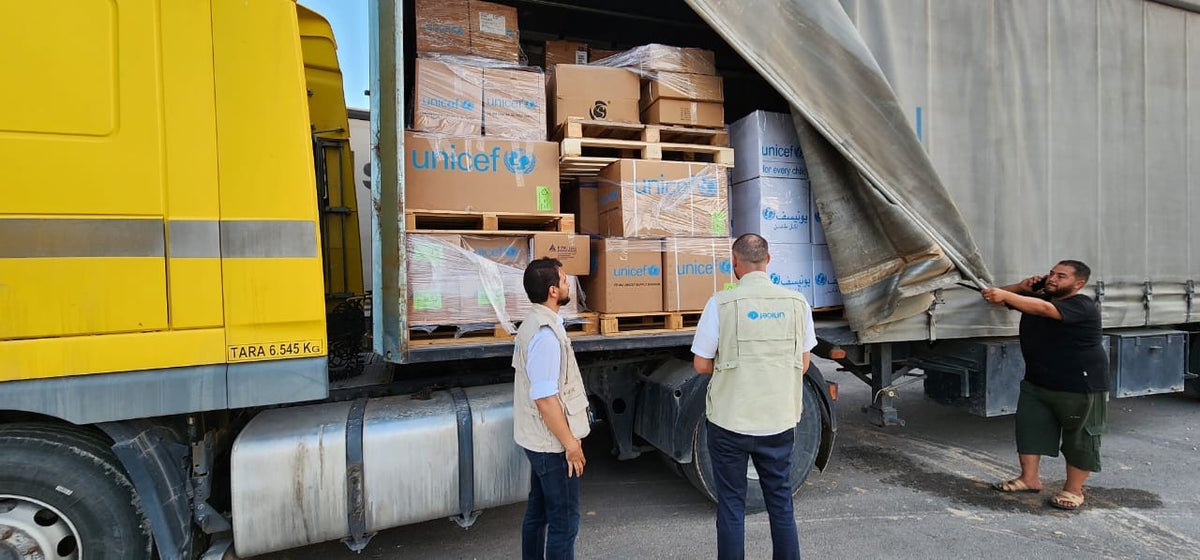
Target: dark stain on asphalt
[(898, 469)]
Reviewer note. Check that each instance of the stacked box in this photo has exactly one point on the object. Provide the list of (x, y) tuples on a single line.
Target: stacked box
[(448, 98), (771, 196), (565, 52), (683, 99), (514, 103), (694, 269), (626, 276), (582, 198), (649, 198), (592, 92), (467, 27), (485, 173)]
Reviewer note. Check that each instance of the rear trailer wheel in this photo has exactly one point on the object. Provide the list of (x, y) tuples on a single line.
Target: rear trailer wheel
[(63, 495), (804, 456)]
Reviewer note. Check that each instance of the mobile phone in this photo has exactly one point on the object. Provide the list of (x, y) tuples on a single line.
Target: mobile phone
[(1039, 285)]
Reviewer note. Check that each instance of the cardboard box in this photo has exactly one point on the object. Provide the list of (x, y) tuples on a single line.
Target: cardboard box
[(776, 209), (694, 269), (565, 52), (649, 198), (766, 145), (480, 173), (573, 250), (665, 58), (514, 104), (595, 54), (494, 31), (443, 26), (626, 276), (692, 87), (448, 98), (510, 250), (592, 92), (685, 113), (791, 266), (825, 285), (433, 291), (582, 199)]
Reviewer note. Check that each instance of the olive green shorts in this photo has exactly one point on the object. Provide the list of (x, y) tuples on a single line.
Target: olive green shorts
[(1048, 421)]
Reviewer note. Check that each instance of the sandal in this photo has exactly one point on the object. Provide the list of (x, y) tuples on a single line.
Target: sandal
[(1014, 485), (1066, 500)]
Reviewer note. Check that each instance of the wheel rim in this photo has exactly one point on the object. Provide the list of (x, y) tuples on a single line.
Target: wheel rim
[(34, 530)]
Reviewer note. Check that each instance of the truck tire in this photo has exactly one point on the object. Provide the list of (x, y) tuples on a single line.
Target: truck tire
[(804, 455), (64, 495)]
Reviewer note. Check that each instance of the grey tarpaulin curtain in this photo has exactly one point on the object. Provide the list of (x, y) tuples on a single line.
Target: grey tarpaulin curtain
[(894, 233)]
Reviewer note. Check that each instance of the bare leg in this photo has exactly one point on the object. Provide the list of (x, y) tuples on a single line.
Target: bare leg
[(1075, 479), (1029, 470)]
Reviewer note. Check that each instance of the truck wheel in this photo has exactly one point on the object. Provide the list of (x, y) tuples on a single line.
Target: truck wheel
[(804, 455), (63, 495)]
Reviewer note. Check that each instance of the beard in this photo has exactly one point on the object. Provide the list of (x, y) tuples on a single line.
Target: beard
[(1058, 291), (563, 300)]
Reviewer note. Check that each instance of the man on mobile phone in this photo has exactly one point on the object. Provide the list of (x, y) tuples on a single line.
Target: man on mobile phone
[(1064, 396)]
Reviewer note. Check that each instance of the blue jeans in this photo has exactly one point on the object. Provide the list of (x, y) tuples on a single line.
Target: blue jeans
[(552, 514), (772, 456)]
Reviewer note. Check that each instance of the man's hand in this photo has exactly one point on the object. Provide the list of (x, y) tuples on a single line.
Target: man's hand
[(997, 296), (575, 459), (1026, 285)]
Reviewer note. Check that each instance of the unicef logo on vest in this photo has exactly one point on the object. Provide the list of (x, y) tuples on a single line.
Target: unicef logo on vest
[(763, 315), (520, 162)]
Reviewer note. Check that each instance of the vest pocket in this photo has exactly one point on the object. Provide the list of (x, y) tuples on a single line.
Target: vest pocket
[(575, 404)]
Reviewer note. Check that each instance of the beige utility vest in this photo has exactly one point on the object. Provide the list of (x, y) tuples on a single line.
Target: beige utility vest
[(757, 383), (529, 430)]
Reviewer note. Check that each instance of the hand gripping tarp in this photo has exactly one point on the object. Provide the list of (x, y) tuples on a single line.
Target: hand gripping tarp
[(895, 235)]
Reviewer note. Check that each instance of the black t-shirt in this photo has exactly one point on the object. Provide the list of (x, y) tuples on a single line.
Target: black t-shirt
[(1066, 355)]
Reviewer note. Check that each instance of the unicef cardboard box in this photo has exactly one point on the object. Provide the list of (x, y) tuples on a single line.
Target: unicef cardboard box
[(510, 250), (627, 276), (448, 98), (694, 269), (825, 283), (818, 232), (514, 103), (777, 209), (478, 173), (650, 198), (767, 146), (791, 266)]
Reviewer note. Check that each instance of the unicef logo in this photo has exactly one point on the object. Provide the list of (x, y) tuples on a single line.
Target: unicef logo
[(653, 270), (707, 187), (726, 267), (768, 213), (467, 104), (775, 278), (821, 279), (753, 315), (599, 111), (520, 162)]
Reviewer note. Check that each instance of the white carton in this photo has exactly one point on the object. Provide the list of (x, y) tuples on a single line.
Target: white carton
[(777, 209), (791, 266), (766, 146), (825, 284)]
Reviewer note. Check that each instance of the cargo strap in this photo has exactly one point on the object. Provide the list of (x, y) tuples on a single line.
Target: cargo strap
[(466, 460), (356, 510)]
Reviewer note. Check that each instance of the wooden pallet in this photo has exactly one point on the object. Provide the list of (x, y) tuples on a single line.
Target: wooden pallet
[(634, 323), (448, 221), (447, 335), (577, 127)]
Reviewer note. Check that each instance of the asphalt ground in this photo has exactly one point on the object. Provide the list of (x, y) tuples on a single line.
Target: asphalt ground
[(917, 491)]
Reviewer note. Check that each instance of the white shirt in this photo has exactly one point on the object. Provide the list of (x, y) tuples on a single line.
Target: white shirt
[(708, 331), (542, 362)]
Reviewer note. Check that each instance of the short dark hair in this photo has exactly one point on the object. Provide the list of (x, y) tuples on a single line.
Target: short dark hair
[(540, 275), (1082, 271), (751, 247)]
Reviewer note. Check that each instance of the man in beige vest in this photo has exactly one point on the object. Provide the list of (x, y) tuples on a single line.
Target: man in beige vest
[(754, 340), (550, 416)]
